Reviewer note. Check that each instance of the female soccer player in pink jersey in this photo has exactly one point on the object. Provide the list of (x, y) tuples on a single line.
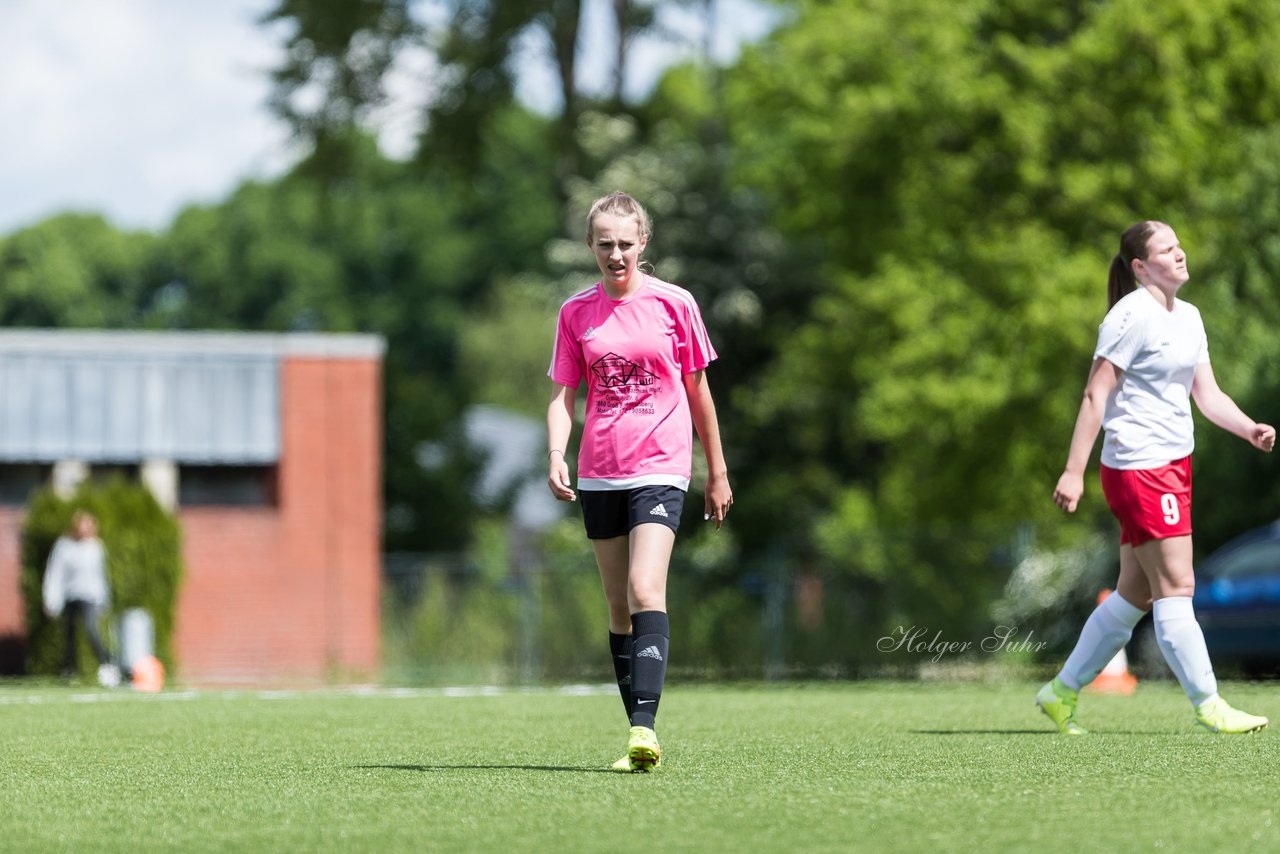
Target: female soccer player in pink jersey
[(640, 346), (1152, 359)]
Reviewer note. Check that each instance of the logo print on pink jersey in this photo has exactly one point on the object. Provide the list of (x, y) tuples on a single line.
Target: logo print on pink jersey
[(612, 371)]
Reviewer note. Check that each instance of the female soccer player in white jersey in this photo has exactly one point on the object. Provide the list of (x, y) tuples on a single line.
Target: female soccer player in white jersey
[(640, 345), (1152, 359)]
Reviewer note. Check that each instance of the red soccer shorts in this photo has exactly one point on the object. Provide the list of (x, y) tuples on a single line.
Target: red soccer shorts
[(1151, 504)]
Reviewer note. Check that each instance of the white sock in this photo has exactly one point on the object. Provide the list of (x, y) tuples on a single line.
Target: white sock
[(1182, 643), (1105, 633)]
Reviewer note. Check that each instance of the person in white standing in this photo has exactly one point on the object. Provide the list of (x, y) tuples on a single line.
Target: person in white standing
[(1151, 361), (76, 587)]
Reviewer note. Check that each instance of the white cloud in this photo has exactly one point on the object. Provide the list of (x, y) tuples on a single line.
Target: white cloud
[(400, 120), (132, 108)]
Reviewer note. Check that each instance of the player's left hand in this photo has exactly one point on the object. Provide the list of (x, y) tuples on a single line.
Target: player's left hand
[(718, 499), (1263, 437)]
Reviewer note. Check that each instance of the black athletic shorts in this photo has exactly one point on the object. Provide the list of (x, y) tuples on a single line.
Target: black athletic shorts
[(614, 512)]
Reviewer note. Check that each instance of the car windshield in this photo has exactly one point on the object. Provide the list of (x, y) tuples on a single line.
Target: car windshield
[(1257, 559)]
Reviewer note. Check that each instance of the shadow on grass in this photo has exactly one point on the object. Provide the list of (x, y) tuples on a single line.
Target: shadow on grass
[(983, 732), (1092, 733), (427, 768)]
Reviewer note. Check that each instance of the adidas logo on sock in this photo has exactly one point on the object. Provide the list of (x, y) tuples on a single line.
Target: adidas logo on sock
[(659, 511), (650, 652)]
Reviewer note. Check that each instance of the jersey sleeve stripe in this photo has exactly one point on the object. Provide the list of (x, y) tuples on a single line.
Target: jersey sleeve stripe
[(685, 298), (580, 296)]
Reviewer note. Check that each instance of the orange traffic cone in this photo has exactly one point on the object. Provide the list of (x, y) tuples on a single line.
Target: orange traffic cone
[(1115, 678), (148, 674)]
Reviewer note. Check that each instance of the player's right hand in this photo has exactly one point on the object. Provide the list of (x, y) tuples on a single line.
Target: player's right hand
[(1263, 437), (1068, 491), (558, 480)]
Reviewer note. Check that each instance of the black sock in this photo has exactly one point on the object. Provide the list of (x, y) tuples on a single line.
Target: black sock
[(620, 649), (651, 632)]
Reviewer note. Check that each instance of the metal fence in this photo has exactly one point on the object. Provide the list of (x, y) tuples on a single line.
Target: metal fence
[(451, 619)]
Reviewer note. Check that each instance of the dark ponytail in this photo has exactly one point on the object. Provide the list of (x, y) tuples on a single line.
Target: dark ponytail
[(1120, 281), (1133, 246)]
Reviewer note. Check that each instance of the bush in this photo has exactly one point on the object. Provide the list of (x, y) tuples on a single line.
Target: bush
[(144, 564)]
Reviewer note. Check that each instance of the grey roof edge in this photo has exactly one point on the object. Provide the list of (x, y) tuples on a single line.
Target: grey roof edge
[(276, 344)]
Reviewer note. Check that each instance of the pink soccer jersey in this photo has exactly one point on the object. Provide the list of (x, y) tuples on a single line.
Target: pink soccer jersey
[(633, 353)]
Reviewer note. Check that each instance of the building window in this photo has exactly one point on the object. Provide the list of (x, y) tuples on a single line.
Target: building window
[(19, 480), (226, 486)]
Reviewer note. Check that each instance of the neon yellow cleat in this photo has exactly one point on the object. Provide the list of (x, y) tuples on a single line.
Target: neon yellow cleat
[(1218, 716), (643, 751), (1059, 703), (623, 764)]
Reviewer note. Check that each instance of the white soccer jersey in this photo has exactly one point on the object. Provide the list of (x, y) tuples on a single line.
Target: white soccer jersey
[(1148, 415)]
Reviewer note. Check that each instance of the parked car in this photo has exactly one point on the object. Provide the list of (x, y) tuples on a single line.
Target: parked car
[(1237, 601)]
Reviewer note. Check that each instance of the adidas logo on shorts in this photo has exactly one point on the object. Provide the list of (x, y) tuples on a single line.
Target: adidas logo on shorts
[(649, 652), (659, 511)]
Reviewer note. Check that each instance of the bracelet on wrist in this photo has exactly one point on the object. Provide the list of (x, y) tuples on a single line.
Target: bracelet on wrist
[(554, 451)]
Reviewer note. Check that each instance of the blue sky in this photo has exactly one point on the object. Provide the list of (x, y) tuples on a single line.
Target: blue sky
[(136, 108)]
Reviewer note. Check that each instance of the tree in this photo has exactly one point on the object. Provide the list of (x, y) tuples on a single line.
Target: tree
[(965, 169), (73, 270), (337, 56)]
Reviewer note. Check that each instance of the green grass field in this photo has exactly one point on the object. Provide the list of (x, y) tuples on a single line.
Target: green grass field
[(851, 767)]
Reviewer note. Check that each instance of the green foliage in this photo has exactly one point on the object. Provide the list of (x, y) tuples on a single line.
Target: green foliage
[(457, 623), (144, 563), (702, 630), (73, 270), (462, 630), (506, 346), (967, 170)]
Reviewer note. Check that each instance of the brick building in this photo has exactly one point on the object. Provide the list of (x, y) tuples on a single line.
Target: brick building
[(268, 448)]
